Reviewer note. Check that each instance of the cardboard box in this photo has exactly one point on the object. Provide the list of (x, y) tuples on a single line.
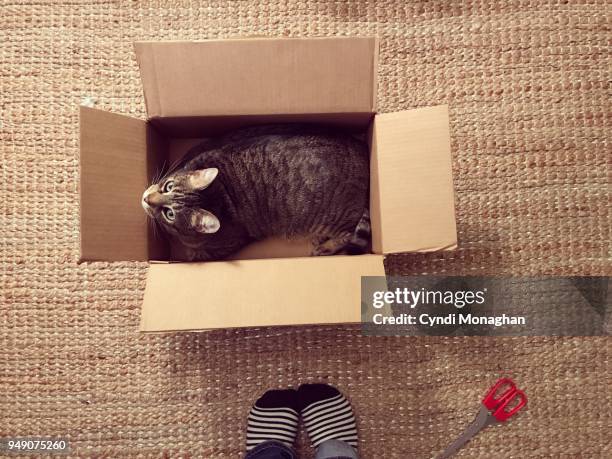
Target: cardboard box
[(198, 89)]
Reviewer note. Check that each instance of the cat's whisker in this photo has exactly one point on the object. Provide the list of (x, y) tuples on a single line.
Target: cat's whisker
[(158, 175), (153, 224), (162, 170), (174, 164), (157, 230)]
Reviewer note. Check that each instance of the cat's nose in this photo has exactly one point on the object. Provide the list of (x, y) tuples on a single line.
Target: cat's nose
[(152, 199)]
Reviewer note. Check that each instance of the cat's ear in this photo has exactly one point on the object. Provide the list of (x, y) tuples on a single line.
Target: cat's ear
[(202, 178), (205, 222)]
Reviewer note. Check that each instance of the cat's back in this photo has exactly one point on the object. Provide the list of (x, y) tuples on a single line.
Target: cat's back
[(294, 179), (277, 142)]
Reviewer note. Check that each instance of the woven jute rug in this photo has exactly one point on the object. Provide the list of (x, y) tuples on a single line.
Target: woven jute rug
[(528, 85)]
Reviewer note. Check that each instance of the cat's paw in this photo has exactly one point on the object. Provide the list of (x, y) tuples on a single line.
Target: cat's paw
[(331, 246)]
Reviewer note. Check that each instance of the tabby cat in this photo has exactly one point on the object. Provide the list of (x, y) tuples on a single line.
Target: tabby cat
[(289, 180)]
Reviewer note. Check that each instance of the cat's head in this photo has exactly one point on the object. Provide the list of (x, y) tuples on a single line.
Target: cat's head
[(175, 203)]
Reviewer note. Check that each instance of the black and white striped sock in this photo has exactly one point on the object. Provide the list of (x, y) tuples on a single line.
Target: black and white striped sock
[(326, 414), (274, 416)]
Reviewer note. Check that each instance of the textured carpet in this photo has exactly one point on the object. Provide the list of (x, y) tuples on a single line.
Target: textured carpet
[(528, 85)]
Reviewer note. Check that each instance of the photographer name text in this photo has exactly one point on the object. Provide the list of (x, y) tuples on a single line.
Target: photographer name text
[(423, 297)]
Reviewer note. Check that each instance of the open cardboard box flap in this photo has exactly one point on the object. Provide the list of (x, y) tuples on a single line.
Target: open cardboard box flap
[(258, 76), (411, 182), (113, 175), (253, 293)]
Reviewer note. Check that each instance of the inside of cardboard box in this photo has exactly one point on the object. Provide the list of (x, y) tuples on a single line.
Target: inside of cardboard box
[(168, 139)]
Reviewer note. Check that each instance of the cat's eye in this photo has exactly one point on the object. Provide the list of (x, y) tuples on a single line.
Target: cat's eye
[(168, 214), (168, 186)]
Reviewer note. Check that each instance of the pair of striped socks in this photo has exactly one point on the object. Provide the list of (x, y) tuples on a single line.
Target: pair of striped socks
[(326, 413)]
